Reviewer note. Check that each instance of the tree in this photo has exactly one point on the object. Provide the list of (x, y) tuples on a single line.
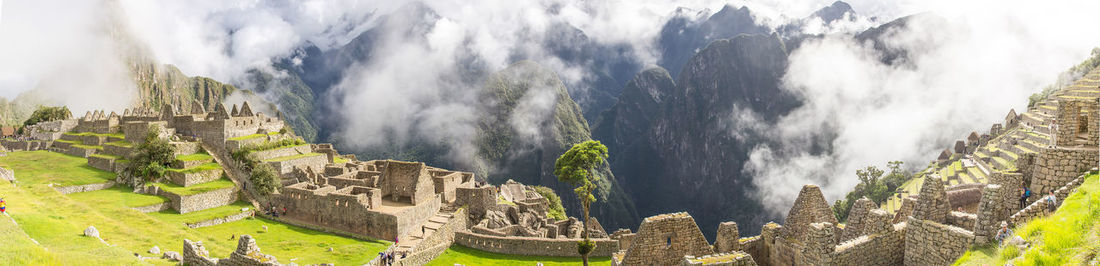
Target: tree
[(150, 160), (264, 179), (874, 186), (48, 113), (577, 168)]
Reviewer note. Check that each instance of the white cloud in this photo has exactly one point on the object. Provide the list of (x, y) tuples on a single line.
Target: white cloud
[(966, 71)]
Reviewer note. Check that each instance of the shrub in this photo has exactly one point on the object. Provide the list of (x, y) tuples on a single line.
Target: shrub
[(556, 210), (150, 160), (47, 113)]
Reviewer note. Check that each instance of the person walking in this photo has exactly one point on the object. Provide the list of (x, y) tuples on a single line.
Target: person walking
[(1023, 197), (3, 206), (1051, 201)]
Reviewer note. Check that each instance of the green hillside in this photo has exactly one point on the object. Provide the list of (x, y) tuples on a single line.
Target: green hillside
[(1070, 236)]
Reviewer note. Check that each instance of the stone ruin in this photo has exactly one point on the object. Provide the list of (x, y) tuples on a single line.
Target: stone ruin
[(383, 199), (247, 253)]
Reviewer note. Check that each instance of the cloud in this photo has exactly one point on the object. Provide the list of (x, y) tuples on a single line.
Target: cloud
[(68, 56), (965, 72)]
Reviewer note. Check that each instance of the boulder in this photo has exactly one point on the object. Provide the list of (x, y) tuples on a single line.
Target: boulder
[(155, 250), (172, 256), (91, 231), (495, 219)]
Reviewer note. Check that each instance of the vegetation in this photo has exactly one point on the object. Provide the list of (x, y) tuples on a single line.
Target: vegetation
[(53, 168), (56, 220), (1070, 236), (556, 210), (264, 179), (459, 255), (292, 157), (195, 157), (195, 189), (248, 162), (576, 167), (150, 160), (48, 113), (874, 186), (1067, 78), (201, 168)]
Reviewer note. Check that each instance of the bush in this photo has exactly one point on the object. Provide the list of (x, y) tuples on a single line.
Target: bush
[(264, 179), (585, 246), (150, 160), (556, 210)]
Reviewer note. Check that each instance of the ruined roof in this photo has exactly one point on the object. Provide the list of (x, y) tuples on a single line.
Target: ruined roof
[(973, 136), (1011, 115), (7, 131), (810, 207), (945, 154), (246, 110)]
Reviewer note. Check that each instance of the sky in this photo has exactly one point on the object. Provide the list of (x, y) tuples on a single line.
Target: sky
[(966, 70)]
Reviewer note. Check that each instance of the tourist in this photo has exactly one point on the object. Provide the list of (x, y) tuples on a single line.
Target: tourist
[(284, 211), (3, 206), (1023, 197), (1053, 133), (232, 236), (1003, 233), (423, 230), (1051, 202)]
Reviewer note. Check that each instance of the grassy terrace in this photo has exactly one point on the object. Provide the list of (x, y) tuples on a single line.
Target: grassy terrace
[(204, 167), (339, 160), (121, 143), (44, 167), (254, 136), (106, 156), (56, 221), (1070, 236), (195, 157), (468, 256), (69, 141), (196, 189), (292, 157), (115, 135), (82, 146)]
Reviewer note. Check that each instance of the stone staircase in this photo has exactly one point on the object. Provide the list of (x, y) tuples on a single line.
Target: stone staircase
[(414, 240), (1031, 135)]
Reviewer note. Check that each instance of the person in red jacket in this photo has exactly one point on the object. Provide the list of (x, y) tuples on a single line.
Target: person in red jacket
[(3, 206)]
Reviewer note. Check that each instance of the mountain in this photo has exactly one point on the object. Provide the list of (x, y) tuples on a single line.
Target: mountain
[(522, 134), (684, 34), (687, 158)]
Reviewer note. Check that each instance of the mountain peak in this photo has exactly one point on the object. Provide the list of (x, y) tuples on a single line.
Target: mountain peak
[(834, 12)]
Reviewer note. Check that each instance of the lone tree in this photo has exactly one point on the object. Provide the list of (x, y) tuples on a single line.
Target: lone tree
[(576, 167), (150, 160)]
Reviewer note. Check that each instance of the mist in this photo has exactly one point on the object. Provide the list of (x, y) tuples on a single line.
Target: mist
[(69, 57), (968, 65)]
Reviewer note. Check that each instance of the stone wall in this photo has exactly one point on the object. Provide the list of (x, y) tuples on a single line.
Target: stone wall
[(1053, 168), (1038, 207), (101, 163), (875, 249), (284, 168), (533, 246), (728, 239), (284, 151), (809, 207), (191, 203), (735, 258), (665, 239), (322, 206), (191, 178), (84, 188), (1069, 122), (221, 220), (931, 243), (962, 219)]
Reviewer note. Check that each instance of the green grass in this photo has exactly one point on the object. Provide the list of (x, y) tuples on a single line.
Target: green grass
[(106, 156), (195, 189), (121, 143), (115, 135), (1070, 236), (82, 146), (56, 221), (203, 167), (339, 160), (195, 157), (73, 142), (467, 256), (203, 215), (118, 196), (44, 167), (292, 157), (254, 136)]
